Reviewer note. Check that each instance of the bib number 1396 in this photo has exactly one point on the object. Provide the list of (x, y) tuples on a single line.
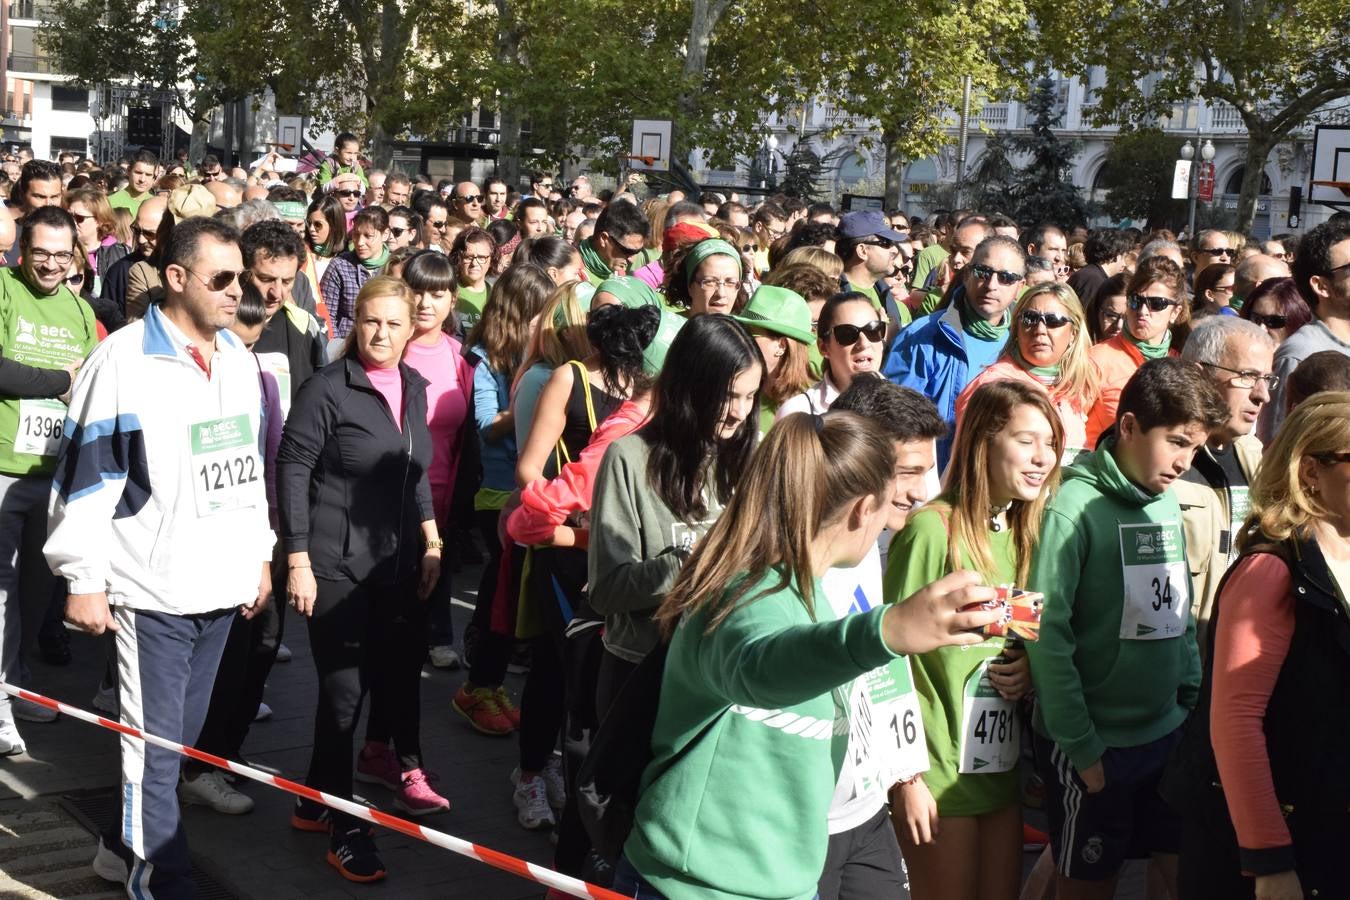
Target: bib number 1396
[(226, 467), (41, 423)]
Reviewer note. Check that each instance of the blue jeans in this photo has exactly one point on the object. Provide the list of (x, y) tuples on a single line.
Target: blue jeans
[(628, 882)]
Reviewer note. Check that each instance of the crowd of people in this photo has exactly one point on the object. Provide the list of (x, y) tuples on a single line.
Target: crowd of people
[(754, 487)]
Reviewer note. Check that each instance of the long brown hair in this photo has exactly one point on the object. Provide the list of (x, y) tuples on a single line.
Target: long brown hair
[(967, 497), (802, 478), (504, 329)]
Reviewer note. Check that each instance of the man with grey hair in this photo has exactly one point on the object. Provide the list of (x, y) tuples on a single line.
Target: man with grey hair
[(1209, 247), (1160, 247), (1240, 357)]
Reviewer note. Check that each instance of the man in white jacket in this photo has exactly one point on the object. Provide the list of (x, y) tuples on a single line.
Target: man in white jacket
[(158, 523)]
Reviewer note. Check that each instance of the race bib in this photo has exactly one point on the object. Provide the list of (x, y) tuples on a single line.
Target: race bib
[(888, 742), (1239, 505), (1157, 586), (226, 468), (41, 423), (990, 741)]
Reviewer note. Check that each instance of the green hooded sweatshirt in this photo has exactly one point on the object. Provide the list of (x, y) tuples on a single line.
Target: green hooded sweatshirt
[(751, 730), (1117, 664)]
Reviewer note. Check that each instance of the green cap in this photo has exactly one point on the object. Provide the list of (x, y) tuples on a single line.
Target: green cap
[(633, 293), (654, 356), (780, 311)]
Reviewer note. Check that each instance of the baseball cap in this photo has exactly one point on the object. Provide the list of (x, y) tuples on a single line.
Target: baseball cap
[(868, 223)]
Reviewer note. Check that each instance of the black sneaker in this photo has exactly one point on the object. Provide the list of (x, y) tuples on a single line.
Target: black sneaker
[(310, 816), (353, 855)]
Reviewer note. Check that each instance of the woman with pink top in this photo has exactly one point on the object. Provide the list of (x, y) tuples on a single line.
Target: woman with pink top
[(1048, 348), (1267, 809)]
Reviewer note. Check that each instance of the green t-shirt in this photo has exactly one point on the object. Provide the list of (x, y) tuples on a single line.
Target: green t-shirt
[(46, 333), (870, 291), (469, 305), (917, 557), (124, 200)]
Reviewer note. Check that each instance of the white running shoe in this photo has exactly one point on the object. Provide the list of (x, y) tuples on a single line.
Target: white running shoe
[(11, 742), (443, 656), (29, 711), (210, 789), (553, 780), (110, 865), (531, 799)]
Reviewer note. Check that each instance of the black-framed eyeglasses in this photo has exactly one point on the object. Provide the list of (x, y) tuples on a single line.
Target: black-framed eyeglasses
[(1341, 267), (1111, 318), (1246, 379), (1030, 318), (847, 335), (619, 248), (63, 257), (1157, 304), (1272, 321), (1217, 251), (984, 273), (217, 281)]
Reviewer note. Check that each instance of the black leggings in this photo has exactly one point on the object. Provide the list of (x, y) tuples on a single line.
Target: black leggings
[(542, 703), (365, 638), (492, 652)]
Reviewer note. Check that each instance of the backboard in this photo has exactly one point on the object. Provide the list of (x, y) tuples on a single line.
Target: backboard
[(650, 151), (1330, 182)]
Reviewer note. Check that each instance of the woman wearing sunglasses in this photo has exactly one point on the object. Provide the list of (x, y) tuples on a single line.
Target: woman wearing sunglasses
[(1156, 301), (1213, 295), (346, 274), (1048, 350), (851, 334), (1278, 307)]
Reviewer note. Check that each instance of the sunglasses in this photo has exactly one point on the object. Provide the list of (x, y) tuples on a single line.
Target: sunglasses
[(439, 226), (397, 232), (347, 192), (1331, 459), (847, 335), (619, 248), (1218, 251), (984, 273), (881, 242), (77, 278), (79, 219), (1157, 304), (1274, 321), (217, 281), (476, 198), (1030, 318)]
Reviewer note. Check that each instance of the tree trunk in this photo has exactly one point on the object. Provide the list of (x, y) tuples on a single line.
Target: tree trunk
[(508, 138), (201, 133), (895, 171), (381, 149), (706, 15), (1259, 145)]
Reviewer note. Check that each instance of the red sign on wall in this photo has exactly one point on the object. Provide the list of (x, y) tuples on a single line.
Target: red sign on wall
[(1205, 182)]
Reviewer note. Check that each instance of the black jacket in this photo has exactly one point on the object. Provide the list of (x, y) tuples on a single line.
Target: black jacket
[(111, 306), (351, 489)]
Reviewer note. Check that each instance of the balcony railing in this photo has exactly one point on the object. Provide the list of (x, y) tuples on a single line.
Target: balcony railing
[(1225, 117), (994, 115), (39, 64), (30, 9)]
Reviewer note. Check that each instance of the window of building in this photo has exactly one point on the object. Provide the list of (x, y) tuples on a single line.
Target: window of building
[(69, 99)]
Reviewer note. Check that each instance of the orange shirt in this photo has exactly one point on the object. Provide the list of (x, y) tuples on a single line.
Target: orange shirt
[(1117, 360)]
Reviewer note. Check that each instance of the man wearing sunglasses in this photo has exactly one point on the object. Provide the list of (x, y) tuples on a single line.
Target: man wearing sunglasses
[(869, 249), (467, 205), (45, 332), (164, 555), (1238, 356), (616, 245), (344, 160), (945, 350), (1209, 247), (111, 307), (1322, 273)]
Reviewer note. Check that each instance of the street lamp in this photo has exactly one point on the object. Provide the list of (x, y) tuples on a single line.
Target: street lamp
[(1206, 157), (771, 170)]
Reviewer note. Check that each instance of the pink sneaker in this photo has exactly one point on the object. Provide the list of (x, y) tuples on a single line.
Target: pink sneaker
[(378, 764), (416, 796)]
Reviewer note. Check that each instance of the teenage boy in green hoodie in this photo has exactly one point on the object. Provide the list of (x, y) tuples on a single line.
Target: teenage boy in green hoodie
[(1116, 668)]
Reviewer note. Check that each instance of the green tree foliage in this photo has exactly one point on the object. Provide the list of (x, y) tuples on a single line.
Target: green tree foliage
[(1042, 189), (1137, 176), (1277, 62)]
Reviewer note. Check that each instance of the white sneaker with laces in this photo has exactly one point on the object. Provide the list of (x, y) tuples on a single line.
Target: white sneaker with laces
[(11, 742), (444, 656), (531, 799), (553, 781), (29, 711), (210, 789)]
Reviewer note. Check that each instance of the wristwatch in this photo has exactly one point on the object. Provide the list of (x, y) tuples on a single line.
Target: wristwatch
[(437, 544)]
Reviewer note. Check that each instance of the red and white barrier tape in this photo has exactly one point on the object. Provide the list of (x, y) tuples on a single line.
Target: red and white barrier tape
[(536, 873)]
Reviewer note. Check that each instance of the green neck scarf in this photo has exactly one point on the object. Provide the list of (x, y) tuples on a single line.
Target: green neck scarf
[(1150, 351), (378, 262), (595, 263), (1046, 375), (982, 329), (321, 250)]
